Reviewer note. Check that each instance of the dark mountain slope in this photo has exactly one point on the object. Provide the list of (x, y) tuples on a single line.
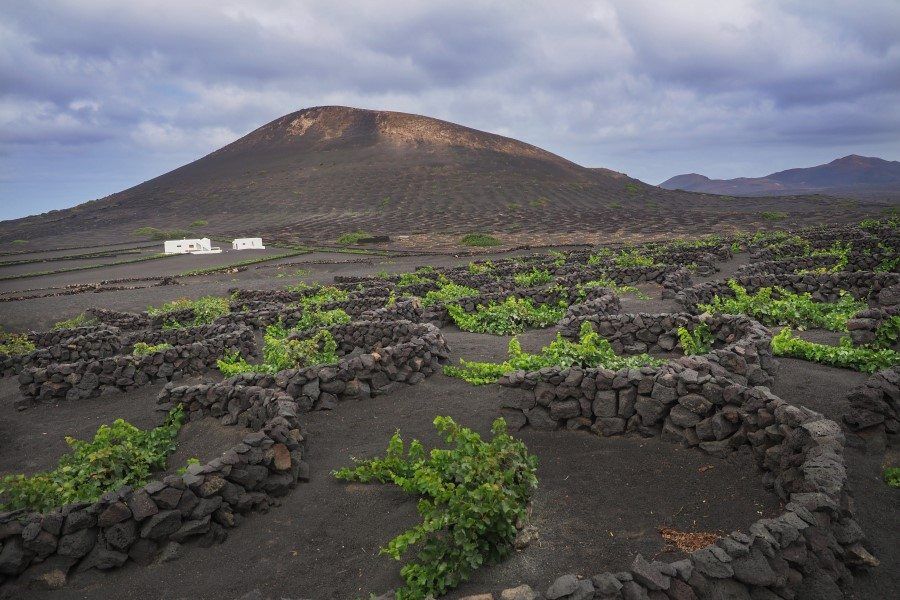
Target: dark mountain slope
[(321, 172)]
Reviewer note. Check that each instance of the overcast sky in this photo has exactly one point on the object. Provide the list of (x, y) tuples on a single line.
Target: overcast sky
[(96, 95)]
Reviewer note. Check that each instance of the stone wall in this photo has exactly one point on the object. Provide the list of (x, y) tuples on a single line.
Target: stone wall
[(612, 402), (814, 542), (87, 378), (789, 266), (378, 356), (877, 288), (137, 525), (876, 404), (123, 320), (97, 343), (864, 325), (741, 346)]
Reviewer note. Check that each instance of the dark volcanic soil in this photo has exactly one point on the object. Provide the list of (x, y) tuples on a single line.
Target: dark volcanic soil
[(32, 440), (598, 503)]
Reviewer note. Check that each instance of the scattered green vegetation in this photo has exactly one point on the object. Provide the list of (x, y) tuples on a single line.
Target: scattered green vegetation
[(410, 279), (512, 315), (143, 349), (471, 497), (19, 242), (82, 320), (773, 215), (199, 223), (479, 239), (205, 310), (632, 188), (13, 344), (120, 454), (559, 259), (324, 295), (313, 317), (191, 461), (533, 277), (891, 476), (627, 257), (480, 268), (845, 355), (695, 341), (778, 306), (348, 239), (280, 353), (888, 333), (447, 293), (633, 258), (590, 350)]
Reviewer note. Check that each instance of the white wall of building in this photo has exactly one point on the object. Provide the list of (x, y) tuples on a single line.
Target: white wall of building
[(188, 246), (247, 244)]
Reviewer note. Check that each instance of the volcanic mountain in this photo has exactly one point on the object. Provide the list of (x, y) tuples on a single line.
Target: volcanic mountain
[(850, 175), (317, 173)]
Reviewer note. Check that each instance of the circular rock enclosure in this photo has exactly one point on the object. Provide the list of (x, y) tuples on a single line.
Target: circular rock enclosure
[(718, 402)]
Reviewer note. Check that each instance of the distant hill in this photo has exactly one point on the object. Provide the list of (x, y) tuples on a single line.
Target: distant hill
[(850, 175), (320, 172)]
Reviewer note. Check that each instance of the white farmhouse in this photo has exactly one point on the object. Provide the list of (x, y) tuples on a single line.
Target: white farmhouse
[(247, 244), (194, 246)]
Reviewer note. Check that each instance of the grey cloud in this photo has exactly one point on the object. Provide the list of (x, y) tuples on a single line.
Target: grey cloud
[(635, 85)]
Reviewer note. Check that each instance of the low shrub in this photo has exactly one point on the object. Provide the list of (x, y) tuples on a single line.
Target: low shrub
[(349, 239), (82, 320), (633, 258), (13, 344), (696, 341), (120, 454), (479, 239), (845, 355), (891, 476), (480, 268), (471, 497), (447, 293), (324, 295), (773, 215), (788, 308), (512, 315), (199, 223), (888, 333), (409, 279), (280, 353), (143, 349), (590, 350), (533, 277), (321, 318), (206, 310)]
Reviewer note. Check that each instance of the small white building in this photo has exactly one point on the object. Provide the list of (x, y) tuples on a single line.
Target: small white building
[(194, 246), (247, 244)]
